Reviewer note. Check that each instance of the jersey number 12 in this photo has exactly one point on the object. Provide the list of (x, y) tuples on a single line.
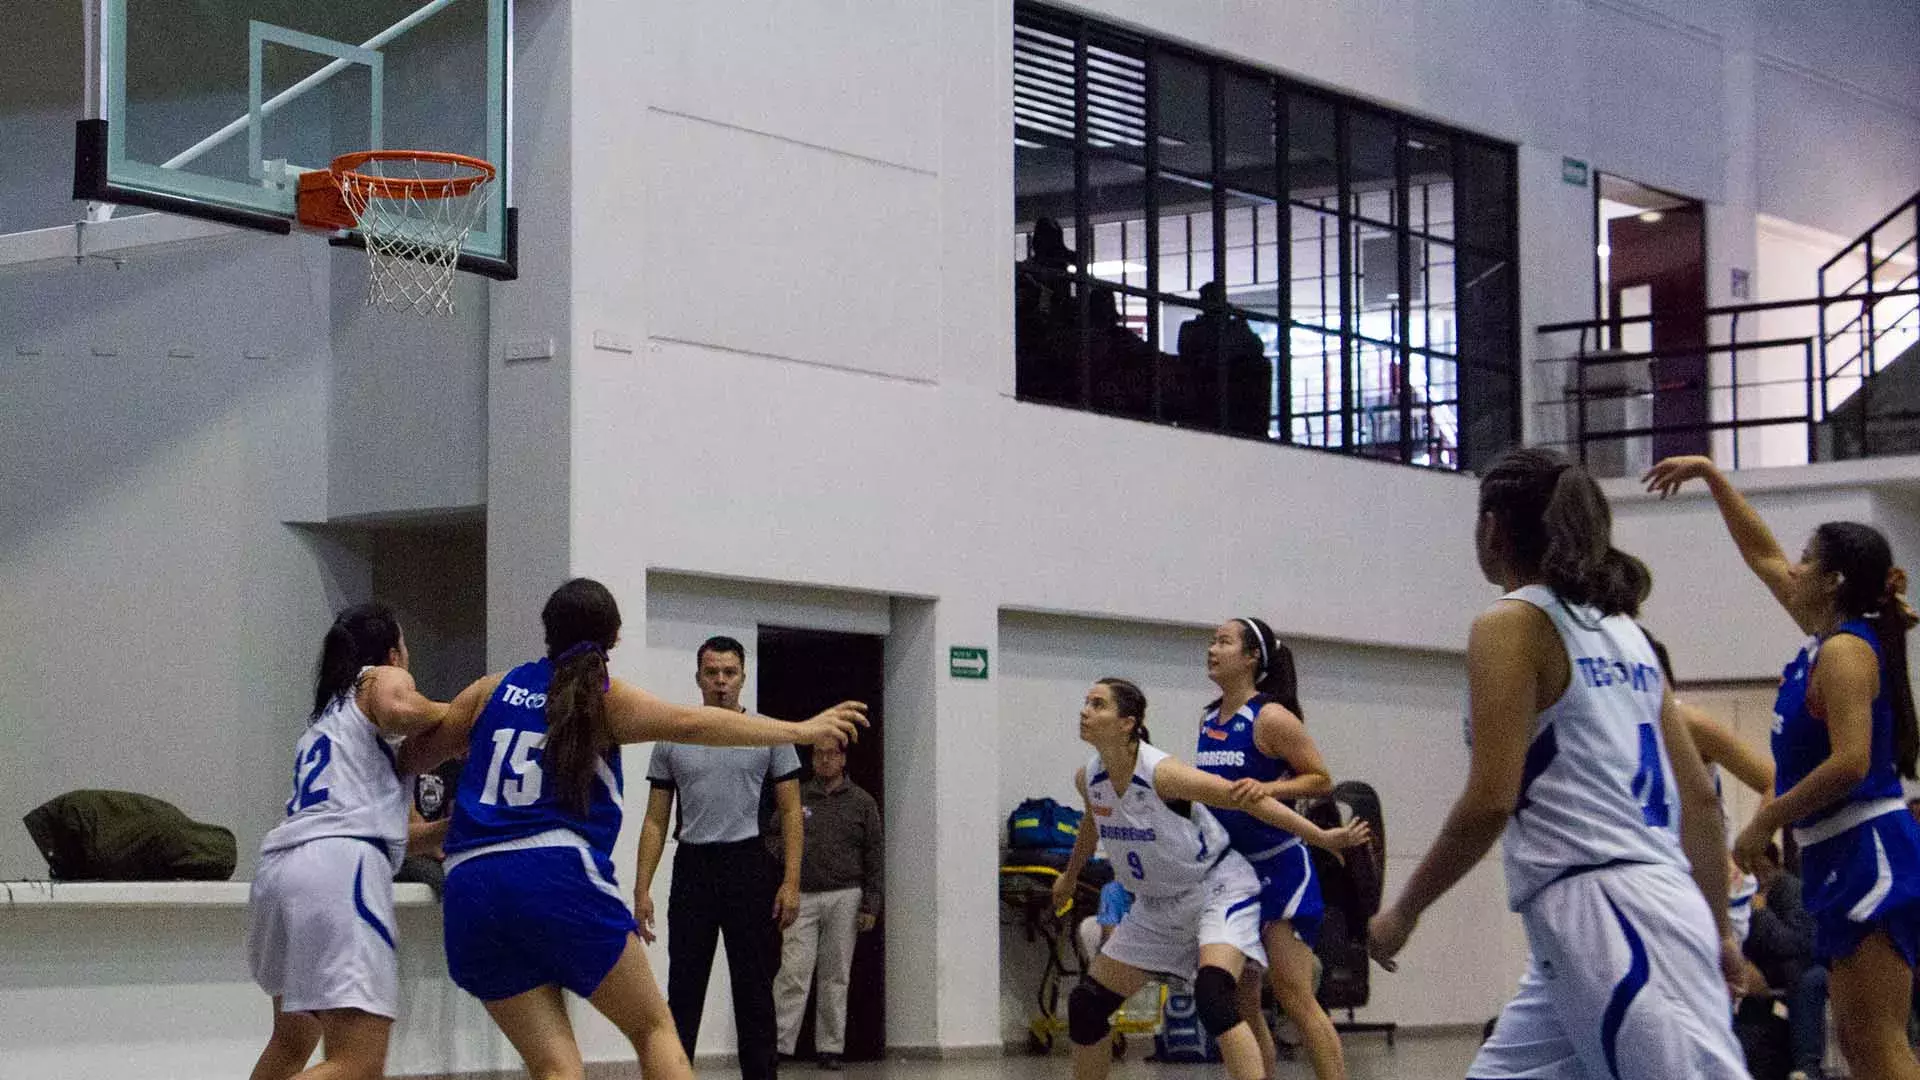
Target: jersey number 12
[(307, 771), (514, 775)]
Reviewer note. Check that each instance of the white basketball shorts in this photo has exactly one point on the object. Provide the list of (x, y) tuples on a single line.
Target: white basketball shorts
[(1624, 983), (1163, 934), (320, 932)]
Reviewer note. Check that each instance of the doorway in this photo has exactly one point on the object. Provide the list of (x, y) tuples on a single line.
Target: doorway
[(800, 673), (1650, 258)]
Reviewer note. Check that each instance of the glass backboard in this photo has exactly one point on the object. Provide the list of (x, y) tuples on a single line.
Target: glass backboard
[(213, 108)]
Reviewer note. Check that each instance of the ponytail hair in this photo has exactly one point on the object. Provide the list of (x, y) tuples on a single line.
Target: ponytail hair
[(1558, 528), (1660, 652), (1874, 589), (1275, 675), (361, 636), (1129, 700), (582, 623)]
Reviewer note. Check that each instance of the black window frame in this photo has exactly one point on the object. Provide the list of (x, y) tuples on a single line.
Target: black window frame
[(1488, 357)]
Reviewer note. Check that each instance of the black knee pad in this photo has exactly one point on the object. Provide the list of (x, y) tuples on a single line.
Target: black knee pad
[(1215, 1000), (1090, 1010)]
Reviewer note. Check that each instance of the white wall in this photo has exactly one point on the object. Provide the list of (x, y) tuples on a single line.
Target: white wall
[(1390, 717), (159, 992), (407, 425), (158, 617), (818, 387), (1787, 263), (40, 88), (1720, 622), (809, 267), (528, 421), (1836, 95)]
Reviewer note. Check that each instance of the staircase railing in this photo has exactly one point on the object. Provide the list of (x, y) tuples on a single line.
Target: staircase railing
[(1872, 265), (1609, 408)]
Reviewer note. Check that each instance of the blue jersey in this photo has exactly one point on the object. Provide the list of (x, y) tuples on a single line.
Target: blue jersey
[(1227, 750), (1800, 738), (508, 802)]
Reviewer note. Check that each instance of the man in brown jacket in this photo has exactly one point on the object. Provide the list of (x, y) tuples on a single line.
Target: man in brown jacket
[(841, 884)]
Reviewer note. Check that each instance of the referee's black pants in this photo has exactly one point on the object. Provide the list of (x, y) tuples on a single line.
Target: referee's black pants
[(726, 889)]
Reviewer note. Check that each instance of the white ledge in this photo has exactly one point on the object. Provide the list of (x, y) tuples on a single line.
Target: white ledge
[(157, 894)]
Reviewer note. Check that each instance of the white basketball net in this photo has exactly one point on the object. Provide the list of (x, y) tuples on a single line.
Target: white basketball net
[(413, 232)]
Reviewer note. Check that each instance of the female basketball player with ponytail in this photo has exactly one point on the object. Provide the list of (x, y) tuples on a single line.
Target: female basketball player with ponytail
[(1579, 758), (531, 905), (1844, 734), (1196, 911), (320, 933), (1254, 737)]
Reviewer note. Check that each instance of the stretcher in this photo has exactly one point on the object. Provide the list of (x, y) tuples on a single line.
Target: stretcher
[(1026, 897)]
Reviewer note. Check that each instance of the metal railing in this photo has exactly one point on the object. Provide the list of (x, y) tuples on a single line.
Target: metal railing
[(1606, 410), (1855, 345), (1741, 391)]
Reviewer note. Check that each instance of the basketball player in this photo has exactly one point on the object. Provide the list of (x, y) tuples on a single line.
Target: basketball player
[(1720, 749), (531, 903), (320, 933), (1196, 910), (1844, 733), (1253, 736), (1580, 759)]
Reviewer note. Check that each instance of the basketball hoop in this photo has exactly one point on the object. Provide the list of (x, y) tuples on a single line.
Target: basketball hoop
[(413, 208)]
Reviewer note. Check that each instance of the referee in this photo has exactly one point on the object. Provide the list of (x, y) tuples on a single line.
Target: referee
[(725, 881)]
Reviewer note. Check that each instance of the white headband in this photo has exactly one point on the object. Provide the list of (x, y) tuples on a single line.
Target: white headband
[(1260, 639)]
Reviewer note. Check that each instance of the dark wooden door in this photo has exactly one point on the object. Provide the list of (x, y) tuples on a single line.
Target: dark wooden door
[(800, 673)]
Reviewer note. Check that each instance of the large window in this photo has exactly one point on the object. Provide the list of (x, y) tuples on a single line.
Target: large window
[(1204, 244)]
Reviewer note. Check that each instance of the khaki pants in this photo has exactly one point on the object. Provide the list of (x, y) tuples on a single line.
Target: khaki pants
[(825, 929)]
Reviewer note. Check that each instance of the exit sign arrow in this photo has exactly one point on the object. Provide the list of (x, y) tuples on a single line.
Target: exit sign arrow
[(967, 662)]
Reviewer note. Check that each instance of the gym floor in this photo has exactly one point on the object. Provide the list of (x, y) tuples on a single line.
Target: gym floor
[(1414, 1057)]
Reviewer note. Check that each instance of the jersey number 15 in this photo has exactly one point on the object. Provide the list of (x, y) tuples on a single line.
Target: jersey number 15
[(514, 775)]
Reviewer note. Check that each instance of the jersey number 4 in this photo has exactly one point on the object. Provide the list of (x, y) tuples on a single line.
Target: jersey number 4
[(1650, 783), (514, 775)]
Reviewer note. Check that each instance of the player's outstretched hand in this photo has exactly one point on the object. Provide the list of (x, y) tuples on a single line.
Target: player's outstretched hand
[(1352, 834), (1387, 934), (839, 725), (1667, 476)]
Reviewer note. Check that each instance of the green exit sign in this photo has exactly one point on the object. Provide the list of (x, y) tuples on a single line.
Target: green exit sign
[(967, 662), (1573, 171)]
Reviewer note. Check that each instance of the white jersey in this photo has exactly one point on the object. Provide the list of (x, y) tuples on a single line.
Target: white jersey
[(1597, 786), (1155, 849), (1742, 887), (346, 782)]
